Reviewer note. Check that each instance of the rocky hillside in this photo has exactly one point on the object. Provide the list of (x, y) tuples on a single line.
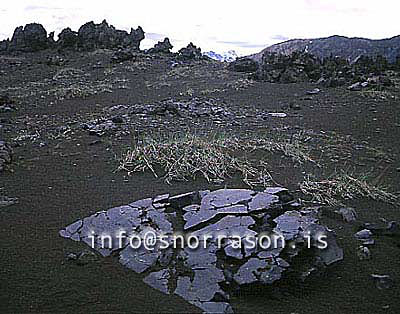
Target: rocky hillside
[(349, 48)]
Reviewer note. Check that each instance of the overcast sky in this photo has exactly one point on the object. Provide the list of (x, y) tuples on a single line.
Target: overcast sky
[(245, 26)]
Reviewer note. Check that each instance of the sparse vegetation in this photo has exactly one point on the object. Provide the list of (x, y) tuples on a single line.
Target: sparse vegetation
[(344, 186), (183, 157), (214, 156)]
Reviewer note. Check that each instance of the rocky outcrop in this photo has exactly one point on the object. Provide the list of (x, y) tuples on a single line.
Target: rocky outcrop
[(67, 39), (244, 64), (305, 67), (191, 52), (92, 36), (298, 67), (162, 46), (33, 37)]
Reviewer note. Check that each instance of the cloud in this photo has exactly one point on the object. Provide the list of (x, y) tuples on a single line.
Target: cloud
[(233, 42), (279, 37), (329, 6), (38, 7), (155, 36), (241, 44)]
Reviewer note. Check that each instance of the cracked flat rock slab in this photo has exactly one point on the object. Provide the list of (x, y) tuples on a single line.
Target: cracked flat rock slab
[(204, 245)]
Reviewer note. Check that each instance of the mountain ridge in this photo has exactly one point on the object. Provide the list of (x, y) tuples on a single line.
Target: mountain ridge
[(346, 47)]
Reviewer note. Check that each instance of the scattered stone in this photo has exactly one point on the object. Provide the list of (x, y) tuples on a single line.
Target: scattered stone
[(314, 91), (392, 228), (277, 114), (100, 128), (363, 253), (7, 201), (382, 282), (357, 86), (55, 61), (348, 214), (83, 258), (365, 236)]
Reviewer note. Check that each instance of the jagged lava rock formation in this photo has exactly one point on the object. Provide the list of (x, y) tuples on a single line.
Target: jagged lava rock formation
[(33, 37)]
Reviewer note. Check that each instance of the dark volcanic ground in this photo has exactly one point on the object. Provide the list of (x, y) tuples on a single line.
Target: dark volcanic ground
[(61, 173)]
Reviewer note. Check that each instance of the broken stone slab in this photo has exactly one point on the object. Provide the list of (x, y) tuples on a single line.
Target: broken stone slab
[(215, 307), (204, 275), (226, 197), (263, 201), (144, 203), (203, 287), (158, 280), (139, 260), (187, 199)]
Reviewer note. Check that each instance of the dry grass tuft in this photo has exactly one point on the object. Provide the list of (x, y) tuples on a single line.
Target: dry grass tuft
[(212, 156), (345, 186)]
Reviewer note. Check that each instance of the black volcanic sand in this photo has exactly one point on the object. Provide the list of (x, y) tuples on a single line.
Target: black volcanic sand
[(68, 179)]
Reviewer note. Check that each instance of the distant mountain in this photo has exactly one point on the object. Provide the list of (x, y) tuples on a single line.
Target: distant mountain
[(228, 56), (349, 48)]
